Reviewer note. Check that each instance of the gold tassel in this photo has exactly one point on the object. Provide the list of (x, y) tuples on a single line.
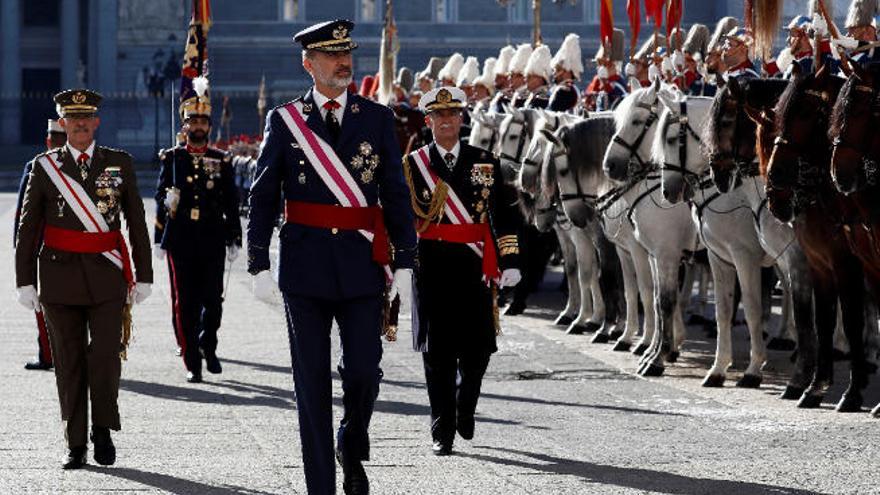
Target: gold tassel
[(434, 206), (126, 331)]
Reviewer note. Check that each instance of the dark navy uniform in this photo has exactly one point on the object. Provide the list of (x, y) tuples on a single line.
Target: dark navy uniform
[(44, 350), (327, 274), (455, 314), (205, 222)]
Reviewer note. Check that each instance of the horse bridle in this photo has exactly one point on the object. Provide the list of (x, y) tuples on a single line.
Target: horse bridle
[(633, 148), (869, 163), (587, 199), (520, 145), (742, 167), (684, 129)]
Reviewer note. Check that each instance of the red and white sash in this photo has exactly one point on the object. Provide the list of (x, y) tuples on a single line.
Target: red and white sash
[(326, 163), (454, 207), (79, 201)]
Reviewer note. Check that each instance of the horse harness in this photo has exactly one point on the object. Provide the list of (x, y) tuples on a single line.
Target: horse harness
[(869, 164)]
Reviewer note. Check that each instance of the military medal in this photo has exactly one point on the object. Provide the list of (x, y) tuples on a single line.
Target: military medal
[(194, 214), (60, 206), (302, 178), (209, 184), (102, 207), (367, 176), (355, 108), (307, 108)]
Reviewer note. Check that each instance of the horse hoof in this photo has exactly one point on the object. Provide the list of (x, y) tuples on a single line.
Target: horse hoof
[(600, 338), (591, 327), (640, 349), (672, 357), (876, 411), (850, 403), (616, 334), (621, 346), (714, 381), (652, 369), (576, 329), (781, 344), (563, 320), (810, 401), (792, 392), (749, 381)]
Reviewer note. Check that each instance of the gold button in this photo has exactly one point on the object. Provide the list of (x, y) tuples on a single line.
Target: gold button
[(196, 196), (334, 230), (196, 176)]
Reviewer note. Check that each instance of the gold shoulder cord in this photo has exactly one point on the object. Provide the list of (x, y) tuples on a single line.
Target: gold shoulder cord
[(434, 205)]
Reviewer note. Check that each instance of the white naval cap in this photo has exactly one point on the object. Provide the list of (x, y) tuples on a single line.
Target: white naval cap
[(442, 98)]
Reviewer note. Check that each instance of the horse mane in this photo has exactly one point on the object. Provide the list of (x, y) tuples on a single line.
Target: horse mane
[(670, 116), (625, 107), (841, 107), (786, 99), (586, 141), (759, 94)]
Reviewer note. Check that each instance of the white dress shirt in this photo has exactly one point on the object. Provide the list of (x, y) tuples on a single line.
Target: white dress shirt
[(320, 99), (443, 152), (75, 153)]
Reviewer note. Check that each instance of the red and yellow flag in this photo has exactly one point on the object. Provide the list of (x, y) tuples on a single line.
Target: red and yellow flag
[(606, 21), (654, 11), (673, 17)]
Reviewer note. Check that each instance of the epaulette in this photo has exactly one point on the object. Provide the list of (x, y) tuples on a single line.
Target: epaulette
[(113, 150)]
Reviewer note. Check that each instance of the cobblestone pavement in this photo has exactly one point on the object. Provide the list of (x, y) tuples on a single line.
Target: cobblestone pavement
[(558, 415)]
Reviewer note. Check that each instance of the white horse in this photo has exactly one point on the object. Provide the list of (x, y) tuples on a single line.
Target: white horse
[(666, 232), (740, 235), (484, 128)]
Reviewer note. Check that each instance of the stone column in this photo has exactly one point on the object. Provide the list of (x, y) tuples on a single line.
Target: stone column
[(10, 76)]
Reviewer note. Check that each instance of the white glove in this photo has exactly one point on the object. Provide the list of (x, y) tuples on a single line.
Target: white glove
[(678, 59), (231, 253), (172, 198), (784, 60), (158, 252), (630, 69), (602, 72), (653, 72), (27, 297), (402, 286), (845, 42), (264, 287), (141, 292), (666, 65), (820, 27), (510, 277)]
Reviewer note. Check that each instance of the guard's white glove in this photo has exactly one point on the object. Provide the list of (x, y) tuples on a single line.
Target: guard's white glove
[(172, 198), (820, 27), (27, 297), (678, 59), (231, 253), (510, 277), (141, 292), (666, 65), (653, 72), (158, 252), (602, 72), (402, 285), (264, 287), (784, 60), (630, 69)]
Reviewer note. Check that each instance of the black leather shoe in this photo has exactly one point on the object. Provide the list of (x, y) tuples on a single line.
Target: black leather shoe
[(440, 448), (212, 363), (76, 458), (37, 365), (354, 481), (105, 451), (465, 426), (194, 377)]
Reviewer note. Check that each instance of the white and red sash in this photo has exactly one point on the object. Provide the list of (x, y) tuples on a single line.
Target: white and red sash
[(454, 207), (79, 201), (326, 163)]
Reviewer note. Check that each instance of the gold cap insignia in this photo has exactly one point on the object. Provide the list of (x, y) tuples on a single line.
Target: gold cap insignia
[(340, 32), (78, 98), (444, 96)]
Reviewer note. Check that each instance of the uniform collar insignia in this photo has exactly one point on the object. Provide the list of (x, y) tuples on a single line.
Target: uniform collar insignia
[(355, 108)]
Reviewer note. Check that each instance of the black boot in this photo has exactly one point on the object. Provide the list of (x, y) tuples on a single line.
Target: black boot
[(76, 458), (355, 480), (105, 451), (37, 364), (212, 363)]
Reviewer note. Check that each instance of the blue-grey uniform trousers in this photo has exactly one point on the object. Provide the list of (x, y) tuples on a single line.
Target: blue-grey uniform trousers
[(309, 322)]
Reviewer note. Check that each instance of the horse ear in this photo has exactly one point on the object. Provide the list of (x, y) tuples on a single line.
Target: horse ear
[(656, 85), (550, 136), (634, 83), (668, 99)]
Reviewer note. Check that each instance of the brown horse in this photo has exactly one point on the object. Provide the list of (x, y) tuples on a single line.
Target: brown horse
[(741, 113), (799, 190)]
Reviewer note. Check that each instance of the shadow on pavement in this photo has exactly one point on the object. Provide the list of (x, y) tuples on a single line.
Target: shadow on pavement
[(196, 393), (175, 485), (271, 368), (635, 478)]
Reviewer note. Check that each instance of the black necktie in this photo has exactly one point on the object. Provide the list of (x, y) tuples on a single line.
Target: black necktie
[(333, 127), (450, 160)]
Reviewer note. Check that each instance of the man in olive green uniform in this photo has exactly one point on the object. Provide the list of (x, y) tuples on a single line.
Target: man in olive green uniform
[(75, 198)]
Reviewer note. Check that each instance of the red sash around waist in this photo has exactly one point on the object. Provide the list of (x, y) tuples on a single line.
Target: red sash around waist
[(346, 218), (464, 234), (76, 241)]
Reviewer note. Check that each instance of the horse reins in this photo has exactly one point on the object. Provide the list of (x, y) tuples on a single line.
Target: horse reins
[(634, 147)]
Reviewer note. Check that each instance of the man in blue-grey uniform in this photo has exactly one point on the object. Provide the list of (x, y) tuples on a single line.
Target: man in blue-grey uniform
[(333, 158)]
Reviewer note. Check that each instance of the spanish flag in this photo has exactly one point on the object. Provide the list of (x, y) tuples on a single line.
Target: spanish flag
[(606, 21)]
